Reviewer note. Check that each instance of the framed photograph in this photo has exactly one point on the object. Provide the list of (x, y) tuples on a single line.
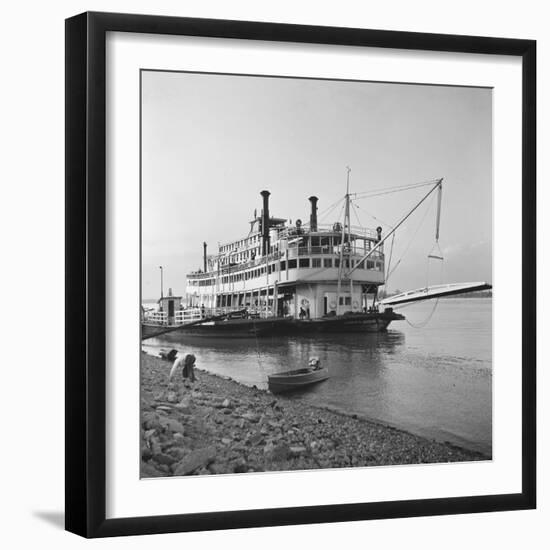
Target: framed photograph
[(300, 274)]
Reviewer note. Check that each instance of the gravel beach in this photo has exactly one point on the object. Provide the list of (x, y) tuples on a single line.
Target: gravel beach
[(218, 426)]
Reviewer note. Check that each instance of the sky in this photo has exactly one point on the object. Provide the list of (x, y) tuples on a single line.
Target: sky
[(211, 143)]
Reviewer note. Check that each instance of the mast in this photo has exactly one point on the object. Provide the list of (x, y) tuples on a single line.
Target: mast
[(346, 223)]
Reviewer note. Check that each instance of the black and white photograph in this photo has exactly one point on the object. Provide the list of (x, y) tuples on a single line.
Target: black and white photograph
[(316, 274), (274, 274)]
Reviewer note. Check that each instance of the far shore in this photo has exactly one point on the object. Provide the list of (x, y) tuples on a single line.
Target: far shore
[(218, 426)]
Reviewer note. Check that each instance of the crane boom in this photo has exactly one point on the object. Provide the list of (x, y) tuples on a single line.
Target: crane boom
[(381, 242)]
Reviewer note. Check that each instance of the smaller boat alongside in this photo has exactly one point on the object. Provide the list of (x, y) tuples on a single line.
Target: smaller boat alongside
[(298, 379)]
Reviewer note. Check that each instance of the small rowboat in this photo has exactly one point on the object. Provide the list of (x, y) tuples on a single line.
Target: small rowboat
[(295, 379)]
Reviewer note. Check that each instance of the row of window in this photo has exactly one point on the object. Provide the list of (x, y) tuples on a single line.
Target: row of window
[(240, 244), (306, 263), (307, 245)]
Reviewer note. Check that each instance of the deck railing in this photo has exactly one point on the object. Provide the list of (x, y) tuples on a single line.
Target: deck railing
[(187, 315), (157, 317), (326, 228), (191, 314)]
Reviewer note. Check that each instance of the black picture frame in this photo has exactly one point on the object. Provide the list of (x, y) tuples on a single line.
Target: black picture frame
[(86, 273)]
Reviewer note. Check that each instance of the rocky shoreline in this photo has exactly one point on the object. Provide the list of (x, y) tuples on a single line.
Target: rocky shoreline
[(218, 426)]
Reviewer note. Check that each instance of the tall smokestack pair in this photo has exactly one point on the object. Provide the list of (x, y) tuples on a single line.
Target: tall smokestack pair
[(265, 219), (265, 223)]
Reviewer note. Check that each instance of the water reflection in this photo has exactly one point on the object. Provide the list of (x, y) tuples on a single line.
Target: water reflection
[(434, 382)]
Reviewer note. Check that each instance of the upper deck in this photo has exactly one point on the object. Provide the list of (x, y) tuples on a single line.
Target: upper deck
[(294, 254)]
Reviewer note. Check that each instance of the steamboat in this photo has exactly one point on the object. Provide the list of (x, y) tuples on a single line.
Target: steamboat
[(284, 278)]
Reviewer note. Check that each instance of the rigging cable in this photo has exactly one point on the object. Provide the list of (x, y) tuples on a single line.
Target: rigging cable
[(388, 190), (333, 205), (412, 239), (354, 209), (439, 258), (373, 216), (388, 272), (396, 188), (425, 322)]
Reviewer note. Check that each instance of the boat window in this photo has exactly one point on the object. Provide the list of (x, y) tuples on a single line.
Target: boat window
[(283, 265), (304, 262), (325, 242), (336, 262), (348, 301), (316, 262), (291, 264), (370, 264), (327, 262), (315, 241)]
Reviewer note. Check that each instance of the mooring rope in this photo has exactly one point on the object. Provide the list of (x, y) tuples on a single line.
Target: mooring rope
[(425, 322)]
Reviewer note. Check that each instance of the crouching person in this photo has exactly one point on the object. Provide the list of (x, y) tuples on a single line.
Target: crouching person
[(187, 364)]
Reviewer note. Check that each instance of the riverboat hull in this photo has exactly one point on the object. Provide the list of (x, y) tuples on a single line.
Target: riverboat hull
[(239, 328), (352, 322), (245, 328), (149, 330)]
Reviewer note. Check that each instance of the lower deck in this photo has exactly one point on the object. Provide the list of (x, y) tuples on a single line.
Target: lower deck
[(300, 300)]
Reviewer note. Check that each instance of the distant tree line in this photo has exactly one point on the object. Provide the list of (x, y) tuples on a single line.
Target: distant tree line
[(476, 294)]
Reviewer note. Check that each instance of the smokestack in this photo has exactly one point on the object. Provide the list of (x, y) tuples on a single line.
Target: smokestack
[(204, 256), (313, 215), (265, 223)]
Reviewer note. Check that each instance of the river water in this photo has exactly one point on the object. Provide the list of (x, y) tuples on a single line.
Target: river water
[(434, 381)]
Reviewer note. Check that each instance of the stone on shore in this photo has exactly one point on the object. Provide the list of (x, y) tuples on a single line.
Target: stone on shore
[(221, 427), (195, 460)]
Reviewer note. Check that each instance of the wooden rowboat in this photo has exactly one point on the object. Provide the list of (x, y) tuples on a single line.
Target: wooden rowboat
[(295, 379)]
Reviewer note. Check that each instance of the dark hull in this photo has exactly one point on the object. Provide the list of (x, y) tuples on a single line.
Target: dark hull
[(355, 322), (230, 328), (245, 328), (239, 328), (149, 331)]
